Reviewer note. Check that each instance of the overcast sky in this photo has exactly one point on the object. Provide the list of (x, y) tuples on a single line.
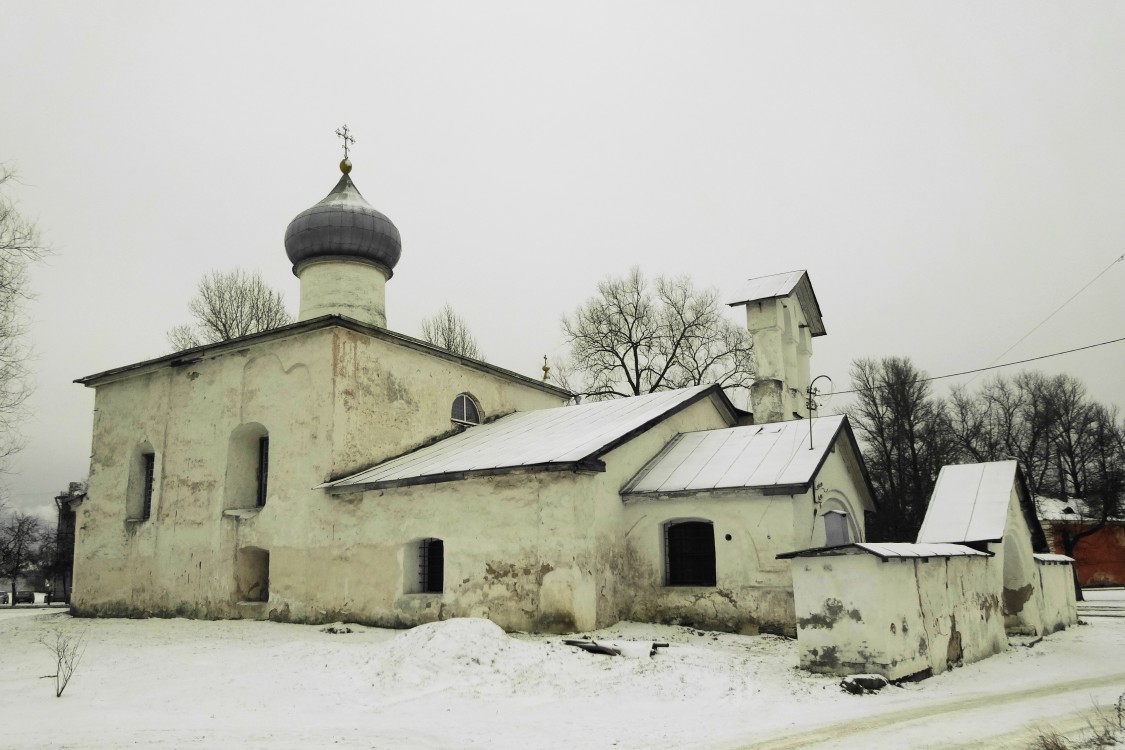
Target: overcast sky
[(948, 173)]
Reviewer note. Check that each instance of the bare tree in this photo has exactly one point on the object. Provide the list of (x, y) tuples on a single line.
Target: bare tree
[(20, 246), (68, 650), (20, 538), (1008, 418), (229, 304), (449, 330), (633, 338), (906, 436)]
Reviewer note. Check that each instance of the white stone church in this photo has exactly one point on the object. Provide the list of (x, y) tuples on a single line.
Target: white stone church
[(333, 469)]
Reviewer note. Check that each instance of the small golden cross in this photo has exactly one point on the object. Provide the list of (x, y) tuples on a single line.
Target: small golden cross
[(345, 135)]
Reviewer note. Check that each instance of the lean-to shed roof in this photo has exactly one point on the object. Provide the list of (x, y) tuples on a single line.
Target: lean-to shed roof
[(970, 504), (758, 456), (889, 550), (569, 437)]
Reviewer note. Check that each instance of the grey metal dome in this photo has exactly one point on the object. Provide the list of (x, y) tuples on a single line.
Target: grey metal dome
[(343, 225)]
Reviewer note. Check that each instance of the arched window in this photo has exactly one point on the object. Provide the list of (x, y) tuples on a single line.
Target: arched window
[(689, 553), (248, 462), (465, 410), (141, 484)]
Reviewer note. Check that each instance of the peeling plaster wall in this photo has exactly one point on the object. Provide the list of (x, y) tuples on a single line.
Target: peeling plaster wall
[(754, 590), (330, 399), (910, 616), (1019, 580), (538, 551), (782, 349), (1059, 610), (389, 398)]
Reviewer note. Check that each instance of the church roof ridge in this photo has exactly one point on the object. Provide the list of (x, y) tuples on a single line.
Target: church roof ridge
[(198, 353)]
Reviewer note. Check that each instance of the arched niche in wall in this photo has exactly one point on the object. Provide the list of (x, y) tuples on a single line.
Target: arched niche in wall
[(252, 575), (247, 476), (836, 521)]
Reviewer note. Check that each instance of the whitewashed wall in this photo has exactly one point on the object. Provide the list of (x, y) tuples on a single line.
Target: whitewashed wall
[(856, 613), (1059, 608), (332, 400), (754, 590)]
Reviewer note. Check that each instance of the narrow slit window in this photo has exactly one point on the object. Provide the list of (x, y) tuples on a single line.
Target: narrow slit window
[(148, 466), (263, 469)]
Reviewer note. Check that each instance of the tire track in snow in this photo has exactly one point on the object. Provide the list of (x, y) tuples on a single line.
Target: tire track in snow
[(852, 729)]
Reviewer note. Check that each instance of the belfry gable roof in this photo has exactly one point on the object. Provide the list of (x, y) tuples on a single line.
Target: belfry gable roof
[(782, 285)]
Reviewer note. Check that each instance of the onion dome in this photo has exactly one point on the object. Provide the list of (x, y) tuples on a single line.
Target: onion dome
[(343, 226)]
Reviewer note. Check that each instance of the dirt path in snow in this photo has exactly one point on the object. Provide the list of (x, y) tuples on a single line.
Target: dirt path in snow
[(935, 725)]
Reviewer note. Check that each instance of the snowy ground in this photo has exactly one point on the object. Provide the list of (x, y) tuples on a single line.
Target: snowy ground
[(464, 684)]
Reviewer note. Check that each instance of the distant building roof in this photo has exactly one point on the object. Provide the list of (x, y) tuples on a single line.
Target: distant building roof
[(1075, 510), (970, 504), (756, 456), (782, 285), (888, 550), (569, 437), (1048, 559)]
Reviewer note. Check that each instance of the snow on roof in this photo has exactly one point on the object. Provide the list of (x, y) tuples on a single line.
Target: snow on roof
[(1074, 510), (887, 550), (1047, 559), (574, 435), (767, 455), (969, 503), (782, 285)]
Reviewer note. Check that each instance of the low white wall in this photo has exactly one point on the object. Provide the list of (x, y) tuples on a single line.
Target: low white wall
[(909, 615), (1058, 605)]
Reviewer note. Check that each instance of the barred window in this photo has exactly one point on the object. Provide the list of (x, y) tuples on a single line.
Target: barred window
[(148, 466), (263, 469), (465, 410), (689, 553), (431, 561)]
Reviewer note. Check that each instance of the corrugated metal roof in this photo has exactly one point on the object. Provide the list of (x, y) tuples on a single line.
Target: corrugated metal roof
[(775, 454), (969, 503), (564, 435), (782, 285), (766, 287), (888, 550)]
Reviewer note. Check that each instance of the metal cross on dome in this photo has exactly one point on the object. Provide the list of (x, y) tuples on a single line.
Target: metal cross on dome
[(346, 136)]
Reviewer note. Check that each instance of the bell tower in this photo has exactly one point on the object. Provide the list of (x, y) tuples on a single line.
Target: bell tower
[(783, 317)]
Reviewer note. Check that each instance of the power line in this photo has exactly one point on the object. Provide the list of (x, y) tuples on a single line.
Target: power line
[(996, 367), (1064, 304)]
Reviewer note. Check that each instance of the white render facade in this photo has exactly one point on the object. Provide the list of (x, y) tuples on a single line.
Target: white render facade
[(334, 470)]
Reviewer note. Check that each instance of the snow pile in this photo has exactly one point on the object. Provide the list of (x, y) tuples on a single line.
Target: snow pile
[(463, 683), (462, 652)]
